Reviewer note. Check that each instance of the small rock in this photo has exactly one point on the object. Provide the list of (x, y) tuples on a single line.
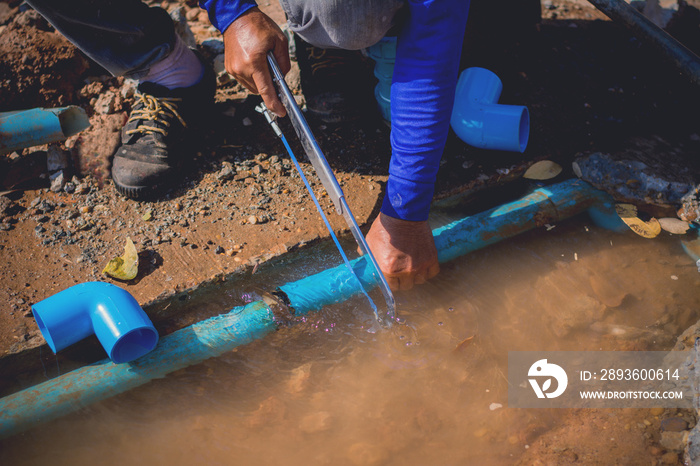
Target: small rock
[(247, 122), (106, 103), (214, 46), (674, 441), (252, 219), (656, 411), (495, 406), (227, 172), (57, 182), (82, 188), (219, 250), (192, 14), (69, 188), (673, 424), (128, 89), (56, 158)]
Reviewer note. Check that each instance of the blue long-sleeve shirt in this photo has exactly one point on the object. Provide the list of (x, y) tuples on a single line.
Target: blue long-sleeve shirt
[(422, 93)]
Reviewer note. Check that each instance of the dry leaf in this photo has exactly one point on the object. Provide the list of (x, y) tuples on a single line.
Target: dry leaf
[(464, 344), (628, 214), (543, 170), (674, 225), (577, 170), (125, 267)]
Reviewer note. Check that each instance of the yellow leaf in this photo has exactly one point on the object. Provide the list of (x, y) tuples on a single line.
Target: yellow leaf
[(577, 170), (626, 210), (125, 267), (543, 170), (628, 214), (674, 225)]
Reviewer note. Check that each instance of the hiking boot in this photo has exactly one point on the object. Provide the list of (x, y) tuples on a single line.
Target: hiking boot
[(153, 139), (337, 84)]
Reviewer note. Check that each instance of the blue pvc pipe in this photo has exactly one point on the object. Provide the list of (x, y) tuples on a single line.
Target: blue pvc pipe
[(103, 309), (546, 205), (242, 325), (183, 348), (27, 128), (480, 121)]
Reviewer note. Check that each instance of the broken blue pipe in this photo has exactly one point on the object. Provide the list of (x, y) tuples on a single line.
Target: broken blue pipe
[(480, 121), (244, 324), (28, 128), (105, 310)]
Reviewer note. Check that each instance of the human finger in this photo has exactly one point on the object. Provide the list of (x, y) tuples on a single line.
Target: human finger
[(266, 89), (393, 282)]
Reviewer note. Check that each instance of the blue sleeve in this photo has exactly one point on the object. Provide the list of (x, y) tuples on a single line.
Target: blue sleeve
[(422, 94), (224, 12)]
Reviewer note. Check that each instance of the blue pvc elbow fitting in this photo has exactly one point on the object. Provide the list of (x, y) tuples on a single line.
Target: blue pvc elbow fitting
[(480, 121), (99, 308)]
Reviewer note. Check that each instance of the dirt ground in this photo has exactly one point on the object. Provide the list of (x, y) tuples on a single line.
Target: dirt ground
[(588, 83)]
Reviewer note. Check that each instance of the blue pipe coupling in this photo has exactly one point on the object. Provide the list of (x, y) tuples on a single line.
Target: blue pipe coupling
[(99, 308), (480, 121)]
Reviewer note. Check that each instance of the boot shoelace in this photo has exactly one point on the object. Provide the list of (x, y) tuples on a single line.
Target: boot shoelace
[(156, 110), (321, 59)]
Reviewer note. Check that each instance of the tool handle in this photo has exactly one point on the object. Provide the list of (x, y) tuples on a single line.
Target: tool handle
[(313, 151)]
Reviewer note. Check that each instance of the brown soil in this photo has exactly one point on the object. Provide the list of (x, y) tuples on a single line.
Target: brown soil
[(589, 86)]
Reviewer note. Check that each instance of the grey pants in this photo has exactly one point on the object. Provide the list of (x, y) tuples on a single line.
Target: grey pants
[(126, 37)]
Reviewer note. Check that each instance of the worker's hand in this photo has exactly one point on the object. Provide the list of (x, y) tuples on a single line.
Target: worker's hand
[(405, 251), (246, 43)]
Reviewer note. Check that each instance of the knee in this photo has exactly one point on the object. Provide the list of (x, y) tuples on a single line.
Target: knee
[(350, 25)]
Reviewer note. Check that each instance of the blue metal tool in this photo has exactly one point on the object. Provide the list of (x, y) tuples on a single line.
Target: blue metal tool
[(329, 181)]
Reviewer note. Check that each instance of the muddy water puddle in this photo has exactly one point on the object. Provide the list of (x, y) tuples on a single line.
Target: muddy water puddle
[(431, 390)]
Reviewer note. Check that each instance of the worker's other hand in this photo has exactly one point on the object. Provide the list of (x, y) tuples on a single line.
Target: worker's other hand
[(405, 251), (246, 42)]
